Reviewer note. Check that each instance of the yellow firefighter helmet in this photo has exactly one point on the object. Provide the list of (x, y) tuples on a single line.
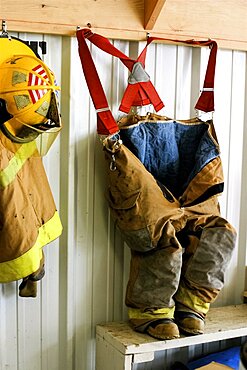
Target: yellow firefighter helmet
[(28, 96)]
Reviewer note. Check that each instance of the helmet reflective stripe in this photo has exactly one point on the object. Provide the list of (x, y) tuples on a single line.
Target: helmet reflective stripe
[(40, 70), (36, 80)]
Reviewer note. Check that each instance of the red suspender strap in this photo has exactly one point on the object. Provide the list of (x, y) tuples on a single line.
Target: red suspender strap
[(138, 94), (106, 123), (205, 102), (140, 90), (206, 99)]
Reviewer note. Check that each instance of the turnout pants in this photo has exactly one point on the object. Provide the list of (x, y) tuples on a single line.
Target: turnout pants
[(164, 179), (180, 245)]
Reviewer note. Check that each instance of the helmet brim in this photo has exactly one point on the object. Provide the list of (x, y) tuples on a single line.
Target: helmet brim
[(44, 133)]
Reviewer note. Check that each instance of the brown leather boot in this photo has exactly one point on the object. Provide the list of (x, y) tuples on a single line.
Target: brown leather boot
[(189, 323), (163, 329), (28, 286)]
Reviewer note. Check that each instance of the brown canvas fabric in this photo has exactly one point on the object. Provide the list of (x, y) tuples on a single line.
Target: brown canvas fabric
[(28, 216), (26, 204), (175, 243)]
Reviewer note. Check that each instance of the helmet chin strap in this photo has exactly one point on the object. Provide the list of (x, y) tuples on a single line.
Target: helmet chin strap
[(6, 116), (17, 139)]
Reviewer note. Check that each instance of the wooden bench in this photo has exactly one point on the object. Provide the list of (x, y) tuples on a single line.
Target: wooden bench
[(118, 347)]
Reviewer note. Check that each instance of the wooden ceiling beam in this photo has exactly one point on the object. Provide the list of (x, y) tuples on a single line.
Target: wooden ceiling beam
[(152, 9)]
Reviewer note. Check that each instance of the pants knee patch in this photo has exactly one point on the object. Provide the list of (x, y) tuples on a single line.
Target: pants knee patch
[(208, 265)]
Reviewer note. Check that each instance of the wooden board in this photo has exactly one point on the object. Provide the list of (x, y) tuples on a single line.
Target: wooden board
[(152, 10), (221, 323), (223, 20)]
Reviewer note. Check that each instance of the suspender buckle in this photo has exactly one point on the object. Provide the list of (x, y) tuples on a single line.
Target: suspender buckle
[(207, 89), (102, 109)]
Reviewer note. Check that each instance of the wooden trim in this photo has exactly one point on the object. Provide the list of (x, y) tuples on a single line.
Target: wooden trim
[(117, 34), (152, 11), (223, 21)]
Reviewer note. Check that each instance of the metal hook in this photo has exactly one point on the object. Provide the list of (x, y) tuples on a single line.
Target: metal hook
[(113, 166), (4, 29), (4, 26)]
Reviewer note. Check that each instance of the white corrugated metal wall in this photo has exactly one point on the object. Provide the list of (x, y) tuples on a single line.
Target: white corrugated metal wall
[(87, 268)]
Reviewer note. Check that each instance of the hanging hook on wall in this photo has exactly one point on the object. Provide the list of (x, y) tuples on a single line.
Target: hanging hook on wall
[(4, 27), (4, 30)]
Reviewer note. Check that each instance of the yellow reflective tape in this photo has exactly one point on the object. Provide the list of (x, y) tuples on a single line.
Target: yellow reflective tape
[(8, 174), (160, 313), (29, 262), (187, 298)]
